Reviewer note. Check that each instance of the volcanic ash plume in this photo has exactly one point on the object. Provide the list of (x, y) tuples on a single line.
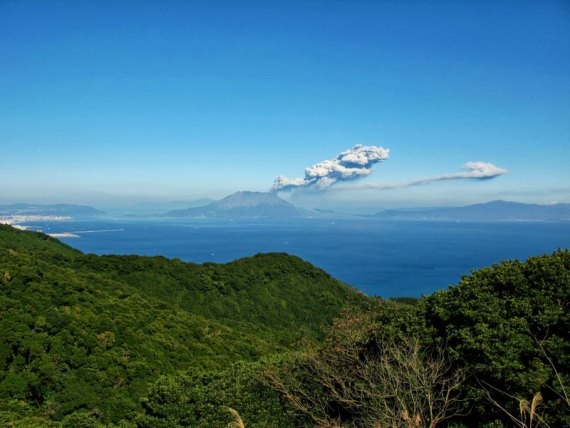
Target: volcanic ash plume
[(349, 165), (471, 171)]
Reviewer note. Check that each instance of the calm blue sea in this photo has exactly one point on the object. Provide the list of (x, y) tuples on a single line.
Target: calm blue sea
[(385, 258)]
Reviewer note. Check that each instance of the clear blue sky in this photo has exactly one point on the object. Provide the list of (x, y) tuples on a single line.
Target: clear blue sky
[(124, 101)]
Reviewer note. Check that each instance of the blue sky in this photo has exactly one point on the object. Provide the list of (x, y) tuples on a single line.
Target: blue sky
[(117, 102)]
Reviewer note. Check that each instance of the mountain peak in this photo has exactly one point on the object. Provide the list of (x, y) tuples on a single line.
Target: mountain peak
[(245, 204), (246, 198)]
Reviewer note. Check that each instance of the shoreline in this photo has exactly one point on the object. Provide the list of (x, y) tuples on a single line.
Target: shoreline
[(64, 235)]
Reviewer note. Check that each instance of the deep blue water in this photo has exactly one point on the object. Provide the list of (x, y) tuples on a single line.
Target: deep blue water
[(385, 258)]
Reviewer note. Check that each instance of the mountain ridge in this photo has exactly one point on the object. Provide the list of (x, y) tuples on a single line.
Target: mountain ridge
[(493, 210)]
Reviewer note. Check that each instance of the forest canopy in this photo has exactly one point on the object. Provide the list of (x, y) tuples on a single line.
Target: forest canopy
[(271, 340)]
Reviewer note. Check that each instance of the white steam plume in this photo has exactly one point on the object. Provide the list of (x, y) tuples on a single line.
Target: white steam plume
[(472, 171), (349, 165)]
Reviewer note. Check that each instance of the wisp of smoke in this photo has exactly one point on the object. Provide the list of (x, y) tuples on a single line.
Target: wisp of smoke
[(349, 165), (472, 171)]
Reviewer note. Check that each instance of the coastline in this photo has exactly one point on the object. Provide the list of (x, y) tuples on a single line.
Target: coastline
[(63, 235), (15, 221)]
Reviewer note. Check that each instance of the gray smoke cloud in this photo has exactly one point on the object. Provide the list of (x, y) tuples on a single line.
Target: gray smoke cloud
[(472, 171), (349, 165)]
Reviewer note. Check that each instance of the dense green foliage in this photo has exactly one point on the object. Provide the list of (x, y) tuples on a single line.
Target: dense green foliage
[(93, 341), (201, 399), (510, 324), (474, 354), (87, 335), (275, 295)]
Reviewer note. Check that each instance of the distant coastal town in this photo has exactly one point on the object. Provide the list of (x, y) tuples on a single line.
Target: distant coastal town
[(16, 220)]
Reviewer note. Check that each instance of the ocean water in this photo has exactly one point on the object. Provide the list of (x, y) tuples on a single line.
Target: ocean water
[(378, 257)]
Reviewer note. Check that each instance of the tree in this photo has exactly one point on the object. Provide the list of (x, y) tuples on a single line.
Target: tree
[(368, 376), (510, 324)]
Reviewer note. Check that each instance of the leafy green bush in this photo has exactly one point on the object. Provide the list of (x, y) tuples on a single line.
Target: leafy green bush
[(510, 324), (201, 399)]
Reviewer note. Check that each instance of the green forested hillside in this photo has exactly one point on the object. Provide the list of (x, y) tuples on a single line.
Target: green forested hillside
[(267, 293), (83, 333), (106, 341), (493, 351)]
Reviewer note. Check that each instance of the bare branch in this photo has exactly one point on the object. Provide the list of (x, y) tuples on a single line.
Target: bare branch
[(365, 378)]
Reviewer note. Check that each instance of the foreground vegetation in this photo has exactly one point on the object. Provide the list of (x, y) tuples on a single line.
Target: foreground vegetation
[(93, 341)]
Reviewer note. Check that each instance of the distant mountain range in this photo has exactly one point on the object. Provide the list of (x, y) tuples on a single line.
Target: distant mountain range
[(264, 205), (245, 205), (47, 209), (269, 205), (495, 210)]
